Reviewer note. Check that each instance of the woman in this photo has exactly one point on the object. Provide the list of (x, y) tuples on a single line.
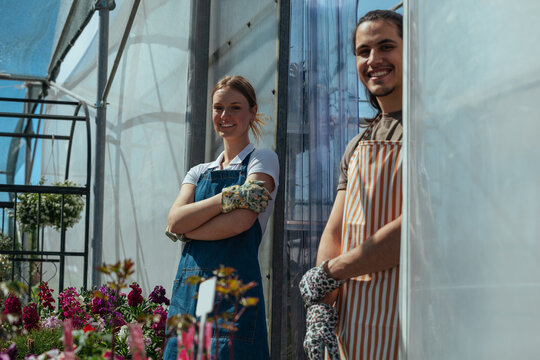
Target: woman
[(223, 227)]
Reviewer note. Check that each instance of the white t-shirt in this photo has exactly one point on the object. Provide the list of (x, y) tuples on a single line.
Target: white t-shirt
[(261, 161)]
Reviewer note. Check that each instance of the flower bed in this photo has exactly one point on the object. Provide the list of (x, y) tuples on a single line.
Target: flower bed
[(98, 323), (95, 315)]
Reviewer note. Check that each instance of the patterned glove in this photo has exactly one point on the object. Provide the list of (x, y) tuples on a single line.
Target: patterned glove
[(174, 237), (316, 283), (251, 195), (321, 323)]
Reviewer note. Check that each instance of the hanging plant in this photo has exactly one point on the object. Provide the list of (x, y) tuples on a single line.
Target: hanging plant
[(50, 209)]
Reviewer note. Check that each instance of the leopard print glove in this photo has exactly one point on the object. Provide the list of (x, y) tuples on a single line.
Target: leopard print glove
[(251, 195), (316, 283), (321, 321)]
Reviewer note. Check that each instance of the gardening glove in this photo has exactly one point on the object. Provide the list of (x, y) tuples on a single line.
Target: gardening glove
[(321, 321), (316, 283), (251, 195)]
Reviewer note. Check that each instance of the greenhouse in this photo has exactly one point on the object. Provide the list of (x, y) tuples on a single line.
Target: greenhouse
[(105, 105)]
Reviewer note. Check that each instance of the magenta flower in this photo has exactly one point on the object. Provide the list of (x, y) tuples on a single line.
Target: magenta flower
[(160, 319), (45, 296), (12, 306), (71, 307), (134, 297), (158, 296), (30, 317)]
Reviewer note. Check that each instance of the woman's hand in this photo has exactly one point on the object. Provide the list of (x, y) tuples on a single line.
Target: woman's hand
[(186, 215)]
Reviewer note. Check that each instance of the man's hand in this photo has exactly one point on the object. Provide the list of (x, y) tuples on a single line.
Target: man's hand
[(321, 323), (316, 283)]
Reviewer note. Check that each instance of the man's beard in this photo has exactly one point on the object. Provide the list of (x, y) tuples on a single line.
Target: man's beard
[(383, 92)]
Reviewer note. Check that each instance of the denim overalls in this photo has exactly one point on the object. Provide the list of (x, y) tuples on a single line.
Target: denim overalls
[(202, 257)]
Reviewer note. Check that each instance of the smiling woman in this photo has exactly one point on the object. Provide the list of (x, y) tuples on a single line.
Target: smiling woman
[(221, 212)]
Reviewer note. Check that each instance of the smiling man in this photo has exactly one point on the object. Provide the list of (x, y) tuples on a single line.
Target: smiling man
[(359, 248)]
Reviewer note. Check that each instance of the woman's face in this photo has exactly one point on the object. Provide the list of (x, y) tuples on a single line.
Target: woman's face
[(232, 115)]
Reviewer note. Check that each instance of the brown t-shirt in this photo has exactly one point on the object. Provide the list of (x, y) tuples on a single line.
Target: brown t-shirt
[(388, 127)]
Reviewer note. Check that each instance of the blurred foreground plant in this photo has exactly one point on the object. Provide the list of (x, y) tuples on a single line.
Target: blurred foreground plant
[(228, 288)]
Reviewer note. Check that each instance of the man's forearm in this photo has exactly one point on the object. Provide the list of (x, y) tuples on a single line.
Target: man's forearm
[(379, 252)]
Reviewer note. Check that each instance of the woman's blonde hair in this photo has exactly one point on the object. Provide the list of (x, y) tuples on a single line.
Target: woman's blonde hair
[(240, 84)]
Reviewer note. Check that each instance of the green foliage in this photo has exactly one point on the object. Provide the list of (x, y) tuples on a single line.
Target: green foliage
[(91, 344), (50, 209), (6, 243), (35, 342)]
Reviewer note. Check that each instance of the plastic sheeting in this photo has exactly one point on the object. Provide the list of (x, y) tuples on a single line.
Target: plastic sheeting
[(471, 256), (27, 30), (144, 161), (322, 118)]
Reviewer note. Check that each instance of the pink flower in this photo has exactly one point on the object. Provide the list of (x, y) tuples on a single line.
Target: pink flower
[(185, 344), (136, 341), (135, 297), (30, 317), (67, 340), (208, 340)]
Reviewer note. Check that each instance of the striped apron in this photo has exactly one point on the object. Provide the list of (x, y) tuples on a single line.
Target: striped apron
[(368, 304)]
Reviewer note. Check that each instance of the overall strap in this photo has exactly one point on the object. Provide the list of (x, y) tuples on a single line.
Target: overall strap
[(245, 164)]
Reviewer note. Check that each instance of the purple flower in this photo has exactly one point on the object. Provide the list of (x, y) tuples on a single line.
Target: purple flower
[(158, 296), (134, 297), (10, 353), (30, 317), (117, 320), (103, 306), (52, 322)]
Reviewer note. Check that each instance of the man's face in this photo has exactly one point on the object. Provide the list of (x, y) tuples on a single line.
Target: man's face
[(379, 58)]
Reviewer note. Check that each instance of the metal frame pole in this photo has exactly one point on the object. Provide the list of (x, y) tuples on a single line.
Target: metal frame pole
[(197, 82), (101, 121), (279, 259)]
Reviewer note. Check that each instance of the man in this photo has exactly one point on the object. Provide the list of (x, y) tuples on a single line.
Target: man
[(359, 248)]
